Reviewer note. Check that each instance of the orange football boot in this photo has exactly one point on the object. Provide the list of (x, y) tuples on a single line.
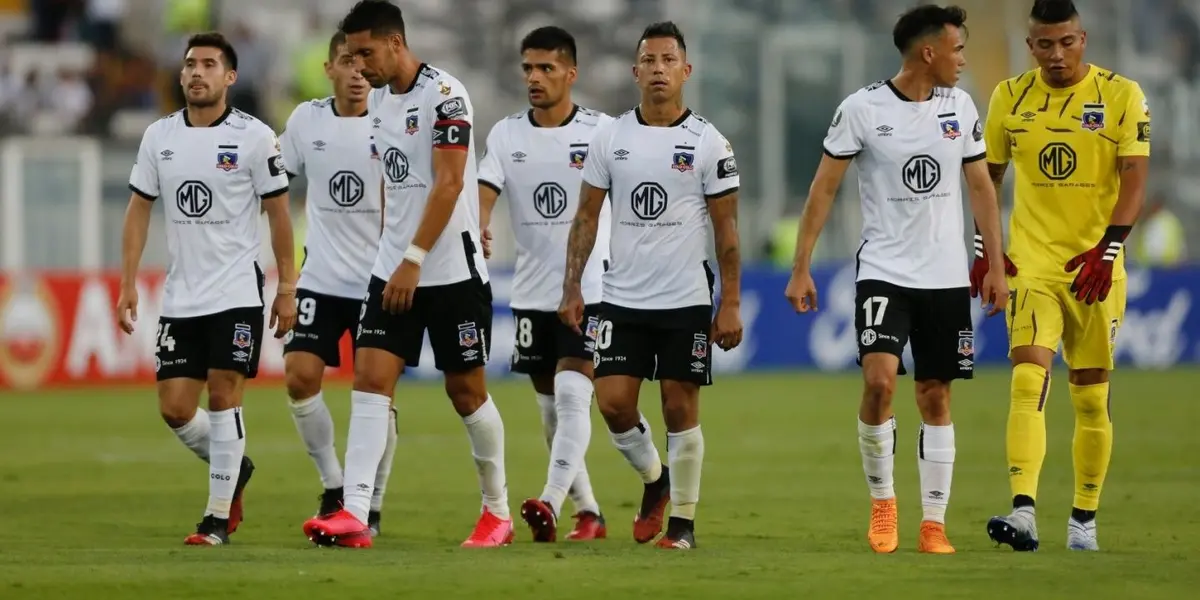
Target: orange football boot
[(339, 529), (883, 534), (933, 539), (655, 497)]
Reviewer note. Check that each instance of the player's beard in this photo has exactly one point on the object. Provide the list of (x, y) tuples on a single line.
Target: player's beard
[(205, 100)]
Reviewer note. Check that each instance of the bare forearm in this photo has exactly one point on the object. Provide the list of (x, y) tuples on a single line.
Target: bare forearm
[(580, 243), (1132, 194), (812, 220), (283, 243), (438, 210), (133, 242), (487, 202), (729, 259), (987, 224)]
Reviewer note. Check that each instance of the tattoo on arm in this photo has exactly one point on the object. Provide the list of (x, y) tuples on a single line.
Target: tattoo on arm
[(728, 244), (997, 173), (582, 238), (1124, 165)]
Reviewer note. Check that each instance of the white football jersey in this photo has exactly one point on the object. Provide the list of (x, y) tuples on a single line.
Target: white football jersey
[(539, 171), (659, 181), (342, 206), (910, 156), (435, 112), (212, 179)]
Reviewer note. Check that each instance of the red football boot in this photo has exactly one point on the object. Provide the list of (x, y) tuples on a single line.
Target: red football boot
[(236, 511), (588, 526), (339, 529), (541, 519), (655, 497), (490, 532)]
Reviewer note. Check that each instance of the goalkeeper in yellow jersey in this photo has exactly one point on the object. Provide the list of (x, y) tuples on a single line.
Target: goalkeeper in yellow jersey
[(1079, 138)]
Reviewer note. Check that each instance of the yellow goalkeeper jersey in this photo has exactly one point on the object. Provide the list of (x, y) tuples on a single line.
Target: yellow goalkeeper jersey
[(1064, 144)]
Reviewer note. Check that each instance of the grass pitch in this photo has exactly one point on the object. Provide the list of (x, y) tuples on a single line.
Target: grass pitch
[(96, 497)]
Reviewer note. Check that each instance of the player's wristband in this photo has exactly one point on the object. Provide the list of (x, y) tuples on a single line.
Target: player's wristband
[(415, 255), (1114, 240)]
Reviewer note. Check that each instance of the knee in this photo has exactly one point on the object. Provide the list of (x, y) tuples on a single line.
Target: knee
[(302, 385), (466, 391), (933, 400), (619, 413), (372, 381), (879, 385), (176, 413), (680, 405)]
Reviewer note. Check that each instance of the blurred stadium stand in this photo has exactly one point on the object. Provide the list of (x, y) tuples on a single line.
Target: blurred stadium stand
[(92, 74)]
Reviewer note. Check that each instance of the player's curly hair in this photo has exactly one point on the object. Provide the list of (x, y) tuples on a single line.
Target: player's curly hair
[(1053, 11), (921, 21)]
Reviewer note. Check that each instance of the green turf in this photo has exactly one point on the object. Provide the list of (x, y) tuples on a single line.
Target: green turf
[(96, 497)]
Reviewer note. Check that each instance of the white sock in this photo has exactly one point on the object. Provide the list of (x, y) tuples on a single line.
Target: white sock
[(878, 446), (935, 460), (546, 406), (638, 447), (573, 394), (385, 463), (315, 425), (581, 494), (226, 446), (685, 457), (194, 434), (485, 428), (365, 445)]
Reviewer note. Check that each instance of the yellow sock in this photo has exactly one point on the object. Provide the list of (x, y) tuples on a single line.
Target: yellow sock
[(1092, 445), (1027, 428)]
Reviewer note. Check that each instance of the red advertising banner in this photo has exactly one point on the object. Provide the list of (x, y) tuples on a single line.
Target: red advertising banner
[(60, 328)]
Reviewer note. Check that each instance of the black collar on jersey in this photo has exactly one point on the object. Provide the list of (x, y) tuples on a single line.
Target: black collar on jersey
[(224, 115), (333, 107), (900, 95), (637, 111), (566, 121), (412, 84)]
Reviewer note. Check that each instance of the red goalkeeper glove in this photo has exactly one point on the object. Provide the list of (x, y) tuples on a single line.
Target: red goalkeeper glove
[(1094, 280), (979, 268)]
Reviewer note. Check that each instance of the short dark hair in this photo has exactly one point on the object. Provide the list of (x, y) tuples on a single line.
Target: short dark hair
[(551, 38), (663, 29), (1053, 11), (379, 17), (337, 40), (214, 39), (921, 21)]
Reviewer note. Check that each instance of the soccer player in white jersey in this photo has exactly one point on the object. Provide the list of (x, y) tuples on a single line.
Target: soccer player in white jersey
[(667, 172), (429, 275), (324, 141), (911, 135), (536, 158), (216, 169)]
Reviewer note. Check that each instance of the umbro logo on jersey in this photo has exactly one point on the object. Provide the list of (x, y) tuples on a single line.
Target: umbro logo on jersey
[(1028, 115), (319, 146), (166, 154), (519, 157), (621, 154), (376, 123), (884, 131)]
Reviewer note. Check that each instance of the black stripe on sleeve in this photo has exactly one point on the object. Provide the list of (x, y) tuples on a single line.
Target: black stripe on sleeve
[(135, 190), (721, 194), (279, 192), (490, 185), (970, 159), (838, 156)]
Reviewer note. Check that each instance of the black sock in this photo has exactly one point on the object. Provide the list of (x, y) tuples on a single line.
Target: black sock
[(1021, 500), (1083, 516)]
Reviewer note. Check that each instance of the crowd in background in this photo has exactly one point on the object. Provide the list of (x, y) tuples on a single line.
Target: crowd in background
[(107, 68)]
